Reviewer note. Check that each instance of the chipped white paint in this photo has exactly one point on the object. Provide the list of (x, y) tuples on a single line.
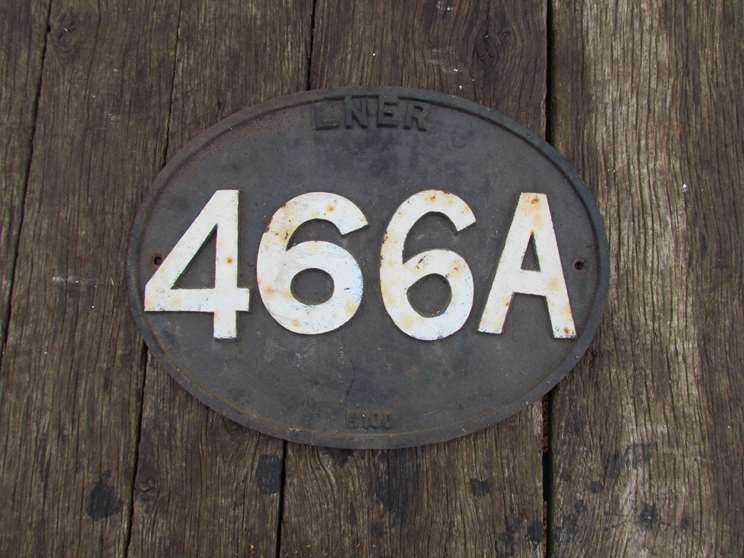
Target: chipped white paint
[(226, 298), (276, 265), (397, 276), (531, 219)]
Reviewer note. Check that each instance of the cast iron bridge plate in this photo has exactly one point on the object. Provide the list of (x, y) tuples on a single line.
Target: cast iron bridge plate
[(368, 268)]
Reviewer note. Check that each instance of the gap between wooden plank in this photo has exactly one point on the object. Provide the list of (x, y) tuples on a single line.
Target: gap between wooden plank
[(35, 113), (145, 351), (280, 513), (547, 407)]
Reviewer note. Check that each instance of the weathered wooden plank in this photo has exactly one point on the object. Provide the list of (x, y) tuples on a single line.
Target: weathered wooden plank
[(480, 495), (204, 485), (648, 433), (72, 370), (22, 39)]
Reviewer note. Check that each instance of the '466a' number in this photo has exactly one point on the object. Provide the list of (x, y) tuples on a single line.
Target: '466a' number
[(278, 264)]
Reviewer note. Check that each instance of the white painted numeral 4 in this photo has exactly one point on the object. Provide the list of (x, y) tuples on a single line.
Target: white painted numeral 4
[(397, 276), (277, 266), (531, 219), (226, 299)]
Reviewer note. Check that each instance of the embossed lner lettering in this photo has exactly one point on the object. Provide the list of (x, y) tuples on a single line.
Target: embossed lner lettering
[(356, 110), (374, 111)]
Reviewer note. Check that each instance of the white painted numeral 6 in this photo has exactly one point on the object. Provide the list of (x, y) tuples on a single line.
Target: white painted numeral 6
[(225, 300), (397, 276), (276, 266)]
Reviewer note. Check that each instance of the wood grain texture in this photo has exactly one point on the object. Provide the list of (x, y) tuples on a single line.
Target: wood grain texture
[(22, 40), (72, 370), (103, 454), (648, 433), (206, 486), (480, 495)]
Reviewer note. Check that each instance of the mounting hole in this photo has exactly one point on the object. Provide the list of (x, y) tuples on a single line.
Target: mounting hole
[(579, 264), (157, 259), (312, 286)]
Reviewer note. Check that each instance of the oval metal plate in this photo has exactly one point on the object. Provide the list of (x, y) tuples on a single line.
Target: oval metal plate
[(367, 384)]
